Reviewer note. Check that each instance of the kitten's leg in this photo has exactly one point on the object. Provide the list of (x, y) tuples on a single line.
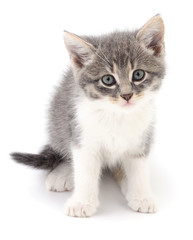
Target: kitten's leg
[(60, 179), (136, 185), (87, 167), (120, 176)]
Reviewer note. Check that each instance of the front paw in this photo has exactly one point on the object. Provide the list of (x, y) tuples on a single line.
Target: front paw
[(77, 208), (143, 204)]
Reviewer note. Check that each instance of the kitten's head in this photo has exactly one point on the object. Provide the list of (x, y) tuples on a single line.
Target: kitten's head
[(124, 68)]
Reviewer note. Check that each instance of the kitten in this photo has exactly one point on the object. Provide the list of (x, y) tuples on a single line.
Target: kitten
[(102, 116)]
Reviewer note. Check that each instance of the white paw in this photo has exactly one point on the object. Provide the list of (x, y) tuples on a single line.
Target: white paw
[(80, 209), (143, 205), (59, 182)]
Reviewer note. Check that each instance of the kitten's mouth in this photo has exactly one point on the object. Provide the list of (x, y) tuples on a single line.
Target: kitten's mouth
[(127, 104), (122, 103)]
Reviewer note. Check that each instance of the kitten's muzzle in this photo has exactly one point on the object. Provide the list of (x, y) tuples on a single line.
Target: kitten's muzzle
[(127, 97)]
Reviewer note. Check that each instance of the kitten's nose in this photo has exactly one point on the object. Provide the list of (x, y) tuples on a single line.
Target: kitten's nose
[(127, 97)]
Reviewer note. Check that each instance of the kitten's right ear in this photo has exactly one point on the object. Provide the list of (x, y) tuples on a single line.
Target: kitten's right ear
[(152, 35), (81, 52)]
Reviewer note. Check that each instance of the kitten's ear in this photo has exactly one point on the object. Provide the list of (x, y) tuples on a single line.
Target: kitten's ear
[(81, 52), (152, 35)]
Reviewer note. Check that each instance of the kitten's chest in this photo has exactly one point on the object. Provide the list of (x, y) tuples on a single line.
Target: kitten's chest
[(111, 131)]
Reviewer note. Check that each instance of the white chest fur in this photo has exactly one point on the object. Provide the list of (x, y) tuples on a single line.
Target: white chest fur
[(109, 129)]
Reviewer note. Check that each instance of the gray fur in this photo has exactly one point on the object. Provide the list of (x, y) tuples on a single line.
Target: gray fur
[(46, 159), (110, 53), (119, 48)]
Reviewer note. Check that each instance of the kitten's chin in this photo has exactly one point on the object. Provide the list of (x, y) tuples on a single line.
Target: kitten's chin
[(123, 105), (127, 104), (138, 102), (132, 105)]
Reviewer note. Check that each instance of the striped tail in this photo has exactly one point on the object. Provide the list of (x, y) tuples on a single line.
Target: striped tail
[(46, 159)]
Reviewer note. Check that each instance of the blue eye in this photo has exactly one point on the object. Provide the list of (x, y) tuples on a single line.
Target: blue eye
[(108, 80), (138, 75)]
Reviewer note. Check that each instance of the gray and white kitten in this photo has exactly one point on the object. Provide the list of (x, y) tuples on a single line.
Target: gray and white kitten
[(102, 116)]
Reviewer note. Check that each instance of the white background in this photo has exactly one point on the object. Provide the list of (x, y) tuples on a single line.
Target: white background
[(32, 60)]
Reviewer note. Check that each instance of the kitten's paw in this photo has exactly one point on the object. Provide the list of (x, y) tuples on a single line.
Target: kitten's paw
[(143, 205), (80, 209), (58, 182)]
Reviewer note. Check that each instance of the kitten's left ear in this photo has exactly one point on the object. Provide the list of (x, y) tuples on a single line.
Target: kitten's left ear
[(152, 35), (81, 52)]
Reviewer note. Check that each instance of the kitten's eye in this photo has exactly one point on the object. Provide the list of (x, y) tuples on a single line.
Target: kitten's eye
[(108, 80), (138, 75)]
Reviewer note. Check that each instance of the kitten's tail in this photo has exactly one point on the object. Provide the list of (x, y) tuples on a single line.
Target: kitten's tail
[(46, 159)]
